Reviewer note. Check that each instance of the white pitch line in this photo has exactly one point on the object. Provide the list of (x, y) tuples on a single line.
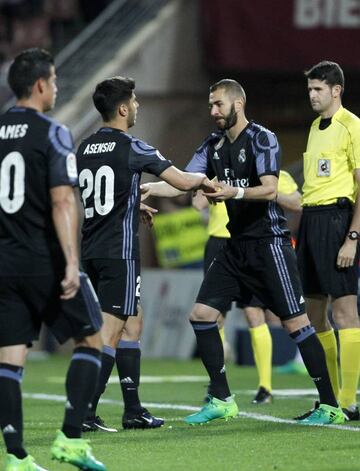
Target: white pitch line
[(245, 415), (147, 379)]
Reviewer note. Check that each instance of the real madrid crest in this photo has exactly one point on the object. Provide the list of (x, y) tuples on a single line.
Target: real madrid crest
[(242, 156)]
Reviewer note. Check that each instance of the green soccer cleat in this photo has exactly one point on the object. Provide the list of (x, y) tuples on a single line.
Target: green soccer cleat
[(26, 464), (214, 409), (76, 451), (323, 415), (292, 367)]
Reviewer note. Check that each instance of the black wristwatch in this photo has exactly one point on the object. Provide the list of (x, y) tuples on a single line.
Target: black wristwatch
[(354, 235)]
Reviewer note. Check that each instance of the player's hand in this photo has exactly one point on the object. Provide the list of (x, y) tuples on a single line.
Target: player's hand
[(145, 189), (346, 255), (223, 192), (71, 282), (207, 186), (146, 214)]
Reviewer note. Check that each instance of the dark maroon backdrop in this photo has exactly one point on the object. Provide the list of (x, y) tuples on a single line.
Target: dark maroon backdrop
[(274, 35)]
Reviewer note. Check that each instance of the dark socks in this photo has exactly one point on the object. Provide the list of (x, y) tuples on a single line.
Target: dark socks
[(11, 420), (107, 364), (314, 359), (81, 382), (212, 355), (128, 356)]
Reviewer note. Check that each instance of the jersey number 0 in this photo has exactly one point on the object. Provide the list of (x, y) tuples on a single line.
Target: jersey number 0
[(12, 182)]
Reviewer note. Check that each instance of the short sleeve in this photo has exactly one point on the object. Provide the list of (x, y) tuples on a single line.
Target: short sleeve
[(145, 158), (267, 153), (62, 160), (354, 150), (199, 161), (287, 184)]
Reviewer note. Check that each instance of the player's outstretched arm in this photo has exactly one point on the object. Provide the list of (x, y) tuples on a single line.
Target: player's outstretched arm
[(267, 191), (160, 189), (65, 218), (176, 183), (187, 181)]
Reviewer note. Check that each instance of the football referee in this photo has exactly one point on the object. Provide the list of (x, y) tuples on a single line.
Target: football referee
[(328, 238)]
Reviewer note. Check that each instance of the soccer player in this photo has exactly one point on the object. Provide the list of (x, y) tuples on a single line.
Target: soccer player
[(258, 259), (39, 264), (289, 198), (328, 251), (110, 165)]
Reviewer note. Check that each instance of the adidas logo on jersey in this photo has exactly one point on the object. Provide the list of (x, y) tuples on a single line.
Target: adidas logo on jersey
[(216, 156), (126, 380), (9, 429), (302, 300)]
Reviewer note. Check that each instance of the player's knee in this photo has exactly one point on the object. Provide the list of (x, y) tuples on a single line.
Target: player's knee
[(132, 330), (346, 319), (92, 341), (202, 313)]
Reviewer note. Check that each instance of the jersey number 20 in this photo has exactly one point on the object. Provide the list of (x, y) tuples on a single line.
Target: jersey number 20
[(91, 185)]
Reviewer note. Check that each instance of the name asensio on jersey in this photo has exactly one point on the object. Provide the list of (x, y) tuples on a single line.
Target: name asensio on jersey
[(99, 148), (13, 131)]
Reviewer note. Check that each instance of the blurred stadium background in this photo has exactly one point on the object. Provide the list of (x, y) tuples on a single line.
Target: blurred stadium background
[(175, 49)]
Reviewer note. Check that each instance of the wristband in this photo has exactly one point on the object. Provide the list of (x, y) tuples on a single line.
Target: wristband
[(239, 194)]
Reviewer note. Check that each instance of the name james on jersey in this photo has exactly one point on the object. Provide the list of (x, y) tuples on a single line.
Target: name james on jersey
[(13, 131)]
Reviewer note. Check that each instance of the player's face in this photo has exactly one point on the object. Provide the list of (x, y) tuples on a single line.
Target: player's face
[(222, 109), (50, 90), (133, 108), (321, 95)]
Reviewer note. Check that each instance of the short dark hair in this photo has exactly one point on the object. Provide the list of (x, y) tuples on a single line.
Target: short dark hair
[(327, 71), (231, 86), (28, 67), (110, 93)]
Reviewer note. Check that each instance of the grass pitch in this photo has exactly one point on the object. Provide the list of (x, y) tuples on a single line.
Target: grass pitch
[(262, 438)]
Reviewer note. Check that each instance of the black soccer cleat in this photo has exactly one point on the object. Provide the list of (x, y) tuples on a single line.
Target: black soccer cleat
[(352, 413), (263, 396), (141, 420), (308, 413), (95, 425)]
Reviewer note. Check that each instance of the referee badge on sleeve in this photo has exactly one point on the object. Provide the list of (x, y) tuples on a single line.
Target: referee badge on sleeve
[(324, 168)]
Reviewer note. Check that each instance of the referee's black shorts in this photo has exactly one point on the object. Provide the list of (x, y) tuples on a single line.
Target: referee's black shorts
[(323, 230), (265, 268)]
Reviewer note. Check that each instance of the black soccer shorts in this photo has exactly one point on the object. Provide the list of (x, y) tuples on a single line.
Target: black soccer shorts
[(323, 230), (264, 268), (117, 284), (213, 246), (27, 302)]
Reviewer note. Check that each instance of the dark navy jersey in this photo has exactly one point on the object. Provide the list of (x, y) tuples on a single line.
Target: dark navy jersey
[(36, 154), (110, 163), (253, 154)]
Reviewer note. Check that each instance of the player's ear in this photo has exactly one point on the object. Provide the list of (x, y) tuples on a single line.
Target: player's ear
[(39, 85), (123, 110), (239, 104)]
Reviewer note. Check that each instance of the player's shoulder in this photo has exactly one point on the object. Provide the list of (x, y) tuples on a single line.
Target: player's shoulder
[(141, 147), (261, 135), (213, 139), (59, 135)]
